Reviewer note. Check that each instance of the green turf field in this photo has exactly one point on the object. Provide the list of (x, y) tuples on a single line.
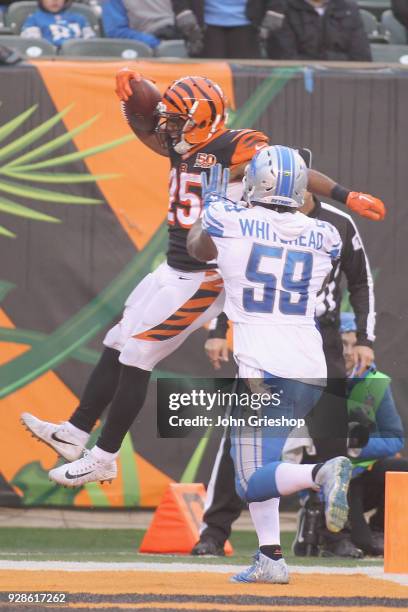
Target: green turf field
[(122, 544)]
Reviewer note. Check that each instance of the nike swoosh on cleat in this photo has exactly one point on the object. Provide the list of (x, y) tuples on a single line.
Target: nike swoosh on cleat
[(54, 437), (73, 476)]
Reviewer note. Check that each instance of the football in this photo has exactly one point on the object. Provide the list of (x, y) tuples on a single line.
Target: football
[(139, 108)]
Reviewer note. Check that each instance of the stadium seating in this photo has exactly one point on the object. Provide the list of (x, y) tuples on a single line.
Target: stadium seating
[(18, 12), (30, 48), (369, 21), (106, 47), (374, 30), (398, 34), (390, 53), (377, 7), (171, 48)]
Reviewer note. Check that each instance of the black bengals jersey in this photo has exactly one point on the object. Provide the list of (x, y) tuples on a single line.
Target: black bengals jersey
[(230, 148)]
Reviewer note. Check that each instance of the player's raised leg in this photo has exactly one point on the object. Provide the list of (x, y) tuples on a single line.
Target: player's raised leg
[(176, 308), (262, 478), (69, 439), (64, 438)]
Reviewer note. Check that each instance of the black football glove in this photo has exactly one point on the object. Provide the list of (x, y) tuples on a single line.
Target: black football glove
[(358, 436)]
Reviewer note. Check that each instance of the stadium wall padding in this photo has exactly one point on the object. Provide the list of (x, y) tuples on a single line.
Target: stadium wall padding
[(83, 206)]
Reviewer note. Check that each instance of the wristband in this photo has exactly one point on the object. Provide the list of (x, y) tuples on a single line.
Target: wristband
[(362, 340), (221, 327), (340, 193)]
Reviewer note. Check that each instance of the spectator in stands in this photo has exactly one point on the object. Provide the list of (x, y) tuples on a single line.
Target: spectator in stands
[(55, 22), (400, 11), (227, 28), (150, 21), (320, 30)]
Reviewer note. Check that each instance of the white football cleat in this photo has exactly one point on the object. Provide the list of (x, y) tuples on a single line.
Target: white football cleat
[(86, 469), (264, 570), (334, 478), (59, 437)]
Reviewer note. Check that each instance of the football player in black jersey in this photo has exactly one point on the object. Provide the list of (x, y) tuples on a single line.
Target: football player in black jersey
[(182, 294)]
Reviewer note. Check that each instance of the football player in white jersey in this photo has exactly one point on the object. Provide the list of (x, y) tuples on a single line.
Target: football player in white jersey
[(273, 260)]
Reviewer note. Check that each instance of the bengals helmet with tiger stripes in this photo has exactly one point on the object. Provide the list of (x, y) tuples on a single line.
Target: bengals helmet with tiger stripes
[(191, 110)]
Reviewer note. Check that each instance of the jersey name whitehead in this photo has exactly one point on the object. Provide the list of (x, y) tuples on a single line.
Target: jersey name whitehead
[(273, 264), (261, 230)]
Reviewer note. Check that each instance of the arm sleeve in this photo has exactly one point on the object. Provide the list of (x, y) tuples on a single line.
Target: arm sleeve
[(116, 24), (356, 267), (333, 243), (30, 21), (246, 144), (86, 28), (359, 45), (219, 327), (389, 437), (213, 220), (30, 28), (221, 219)]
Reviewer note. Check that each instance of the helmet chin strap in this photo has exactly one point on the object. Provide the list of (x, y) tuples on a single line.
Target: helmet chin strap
[(182, 147)]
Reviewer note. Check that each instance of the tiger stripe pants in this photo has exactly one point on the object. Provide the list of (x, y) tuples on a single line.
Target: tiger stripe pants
[(162, 311)]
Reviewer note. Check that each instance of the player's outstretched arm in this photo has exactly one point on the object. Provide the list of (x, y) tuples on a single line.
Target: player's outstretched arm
[(362, 203), (151, 141), (214, 187), (124, 92), (200, 244), (216, 345)]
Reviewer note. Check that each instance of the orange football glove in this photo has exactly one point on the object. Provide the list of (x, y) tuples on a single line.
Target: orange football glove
[(123, 89), (366, 205)]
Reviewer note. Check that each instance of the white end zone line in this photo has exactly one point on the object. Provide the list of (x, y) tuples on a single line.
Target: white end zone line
[(91, 566)]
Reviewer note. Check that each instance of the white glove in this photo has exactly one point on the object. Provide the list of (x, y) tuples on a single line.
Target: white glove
[(271, 22), (188, 25)]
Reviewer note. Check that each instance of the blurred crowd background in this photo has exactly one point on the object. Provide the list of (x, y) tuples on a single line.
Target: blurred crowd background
[(327, 30)]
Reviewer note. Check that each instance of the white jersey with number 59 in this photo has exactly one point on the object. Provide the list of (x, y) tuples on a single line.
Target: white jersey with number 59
[(273, 265)]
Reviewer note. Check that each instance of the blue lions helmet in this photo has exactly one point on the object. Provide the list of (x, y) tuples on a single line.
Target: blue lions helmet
[(276, 176)]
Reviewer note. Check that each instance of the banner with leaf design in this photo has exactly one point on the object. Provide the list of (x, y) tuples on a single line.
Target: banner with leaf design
[(82, 219)]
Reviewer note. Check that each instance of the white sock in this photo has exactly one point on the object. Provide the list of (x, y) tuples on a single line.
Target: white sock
[(265, 517), (82, 436), (292, 477), (104, 456)]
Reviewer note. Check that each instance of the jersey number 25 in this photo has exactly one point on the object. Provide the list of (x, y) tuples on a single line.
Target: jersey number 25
[(185, 198)]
